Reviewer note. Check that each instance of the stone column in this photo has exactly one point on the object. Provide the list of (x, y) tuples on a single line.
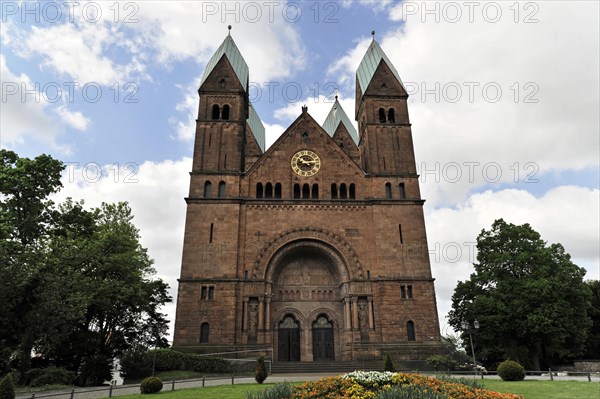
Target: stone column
[(370, 312), (268, 314), (355, 324), (261, 313), (347, 323), (245, 315)]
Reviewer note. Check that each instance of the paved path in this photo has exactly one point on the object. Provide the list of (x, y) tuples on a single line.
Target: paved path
[(120, 390)]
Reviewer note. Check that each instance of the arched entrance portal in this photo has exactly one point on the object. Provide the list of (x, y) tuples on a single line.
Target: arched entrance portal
[(288, 339), (307, 280), (322, 334)]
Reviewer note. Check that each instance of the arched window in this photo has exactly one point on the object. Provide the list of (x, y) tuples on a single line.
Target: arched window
[(225, 114), (410, 330), (215, 111), (334, 193), (207, 188), (388, 190), (352, 191), (391, 115), (402, 191), (306, 191), (259, 190), (296, 190), (204, 331), (381, 115), (315, 191), (277, 190), (221, 189), (268, 190), (343, 192)]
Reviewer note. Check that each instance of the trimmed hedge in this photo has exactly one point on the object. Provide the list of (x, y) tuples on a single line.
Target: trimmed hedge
[(151, 385), (49, 376), (510, 370), (167, 359)]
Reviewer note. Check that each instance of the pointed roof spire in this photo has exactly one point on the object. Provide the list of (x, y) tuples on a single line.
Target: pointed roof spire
[(370, 62), (335, 116), (229, 49)]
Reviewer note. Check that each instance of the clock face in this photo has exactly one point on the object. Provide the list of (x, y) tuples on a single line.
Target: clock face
[(306, 163)]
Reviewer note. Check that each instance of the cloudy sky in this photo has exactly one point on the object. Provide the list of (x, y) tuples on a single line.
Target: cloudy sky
[(504, 105)]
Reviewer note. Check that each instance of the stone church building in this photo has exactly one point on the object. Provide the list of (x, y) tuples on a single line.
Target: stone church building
[(314, 249)]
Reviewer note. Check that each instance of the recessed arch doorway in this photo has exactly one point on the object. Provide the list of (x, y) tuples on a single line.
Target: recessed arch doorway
[(307, 279)]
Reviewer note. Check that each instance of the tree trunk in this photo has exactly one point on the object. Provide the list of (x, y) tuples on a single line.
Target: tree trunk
[(536, 354)]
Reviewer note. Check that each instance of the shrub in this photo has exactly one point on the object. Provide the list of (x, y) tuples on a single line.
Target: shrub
[(205, 364), (136, 363), (94, 371), (49, 376), (283, 390), (151, 385), (389, 364), (409, 392), (439, 362), (7, 387), (260, 374), (510, 370), (167, 359)]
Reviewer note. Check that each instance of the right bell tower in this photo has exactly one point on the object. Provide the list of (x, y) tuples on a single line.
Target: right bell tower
[(386, 147)]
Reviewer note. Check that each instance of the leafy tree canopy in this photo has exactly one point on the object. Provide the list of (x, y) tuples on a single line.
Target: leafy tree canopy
[(529, 298), (78, 287)]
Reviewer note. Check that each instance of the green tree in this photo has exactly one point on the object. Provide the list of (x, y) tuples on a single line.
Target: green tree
[(25, 214), (593, 343), (77, 286), (530, 299)]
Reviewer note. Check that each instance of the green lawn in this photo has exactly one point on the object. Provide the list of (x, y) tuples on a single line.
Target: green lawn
[(529, 389), (237, 391), (533, 389)]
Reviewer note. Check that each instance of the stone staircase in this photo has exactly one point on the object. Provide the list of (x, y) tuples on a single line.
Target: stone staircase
[(334, 367)]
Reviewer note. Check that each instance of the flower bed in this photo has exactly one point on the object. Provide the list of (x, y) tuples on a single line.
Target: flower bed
[(373, 385)]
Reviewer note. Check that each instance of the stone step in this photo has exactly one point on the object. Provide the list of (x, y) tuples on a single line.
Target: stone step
[(341, 367)]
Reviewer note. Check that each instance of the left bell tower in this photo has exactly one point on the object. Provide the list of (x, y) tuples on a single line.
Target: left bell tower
[(229, 136), (222, 113)]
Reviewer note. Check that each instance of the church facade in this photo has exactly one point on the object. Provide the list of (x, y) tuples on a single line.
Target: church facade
[(314, 249)]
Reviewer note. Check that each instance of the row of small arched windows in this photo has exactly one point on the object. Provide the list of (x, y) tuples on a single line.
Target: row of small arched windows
[(208, 189), (220, 113), (306, 191), (344, 192), (401, 189), (391, 117), (267, 191)]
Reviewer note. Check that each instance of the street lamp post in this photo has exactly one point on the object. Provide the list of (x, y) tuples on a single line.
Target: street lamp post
[(467, 327)]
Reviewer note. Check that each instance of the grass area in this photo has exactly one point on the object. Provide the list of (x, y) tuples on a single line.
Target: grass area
[(237, 391), (533, 389), (529, 389)]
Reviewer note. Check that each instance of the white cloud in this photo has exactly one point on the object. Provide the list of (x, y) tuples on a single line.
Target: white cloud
[(79, 51), (568, 215), (74, 119), (155, 191), (24, 116), (555, 61)]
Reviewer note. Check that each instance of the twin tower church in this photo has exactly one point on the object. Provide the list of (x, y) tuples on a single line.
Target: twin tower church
[(314, 249)]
